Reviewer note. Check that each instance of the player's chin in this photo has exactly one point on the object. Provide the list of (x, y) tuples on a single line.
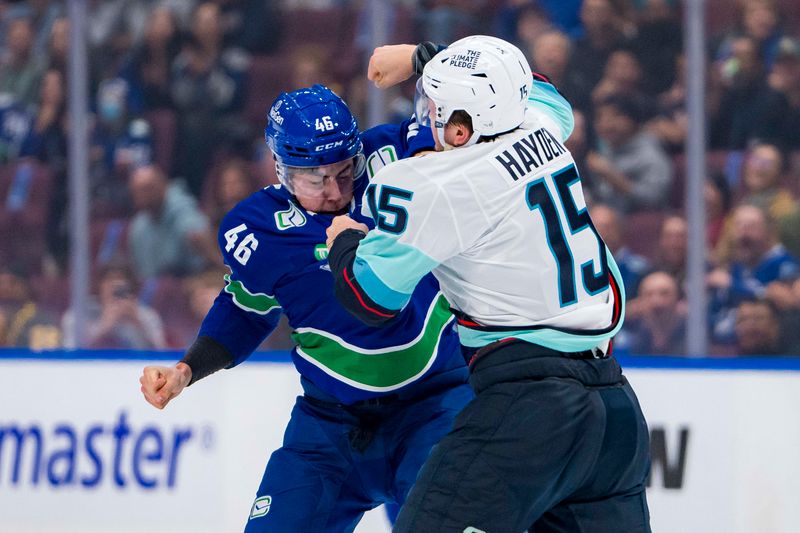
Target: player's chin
[(332, 206)]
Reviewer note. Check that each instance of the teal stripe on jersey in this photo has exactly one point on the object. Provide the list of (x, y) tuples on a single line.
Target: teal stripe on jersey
[(395, 268), (373, 285), (545, 98), (549, 338)]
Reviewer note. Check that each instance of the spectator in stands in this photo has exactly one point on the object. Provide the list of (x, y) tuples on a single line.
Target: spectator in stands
[(49, 145), (763, 169), (622, 76), (445, 21), (23, 324), (168, 234), (519, 18), (670, 122), (630, 170), (550, 52), (758, 329), (609, 224), (253, 25), (208, 84), (784, 78), (201, 290), (58, 45), (604, 25), (42, 14), (717, 197), (310, 64), (672, 247), (120, 142), (658, 42), (761, 268), (148, 69), (21, 70), (16, 128), (660, 328), (50, 124), (748, 107), (114, 27), (790, 232), (760, 22), (116, 319), (235, 183)]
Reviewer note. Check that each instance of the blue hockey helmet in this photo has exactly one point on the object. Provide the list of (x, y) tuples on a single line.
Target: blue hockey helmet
[(310, 128)]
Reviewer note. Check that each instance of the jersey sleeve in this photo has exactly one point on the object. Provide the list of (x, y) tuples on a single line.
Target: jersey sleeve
[(418, 138), (246, 310), (546, 99)]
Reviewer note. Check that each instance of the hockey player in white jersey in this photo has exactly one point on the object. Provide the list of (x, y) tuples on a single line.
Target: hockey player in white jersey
[(555, 439)]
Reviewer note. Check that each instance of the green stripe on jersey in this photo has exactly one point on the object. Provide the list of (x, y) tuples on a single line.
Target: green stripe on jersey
[(378, 370), (258, 302)]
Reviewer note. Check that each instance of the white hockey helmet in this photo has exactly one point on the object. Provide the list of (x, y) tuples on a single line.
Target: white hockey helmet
[(486, 77)]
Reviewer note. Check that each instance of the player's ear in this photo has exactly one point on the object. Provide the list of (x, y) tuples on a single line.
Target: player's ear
[(461, 134)]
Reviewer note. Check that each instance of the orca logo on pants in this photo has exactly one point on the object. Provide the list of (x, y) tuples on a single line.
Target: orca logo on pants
[(471, 529)]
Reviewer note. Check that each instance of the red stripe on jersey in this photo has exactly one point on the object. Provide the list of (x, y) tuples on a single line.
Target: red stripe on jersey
[(617, 300), (467, 323), (360, 299)]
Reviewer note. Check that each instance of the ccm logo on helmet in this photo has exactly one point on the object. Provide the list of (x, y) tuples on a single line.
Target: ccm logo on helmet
[(275, 115), (328, 146)]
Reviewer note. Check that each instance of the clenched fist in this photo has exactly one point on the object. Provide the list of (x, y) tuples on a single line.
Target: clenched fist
[(341, 223), (160, 384), (390, 64)]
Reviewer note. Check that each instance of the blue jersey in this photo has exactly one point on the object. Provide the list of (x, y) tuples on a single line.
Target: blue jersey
[(277, 255), (16, 130)]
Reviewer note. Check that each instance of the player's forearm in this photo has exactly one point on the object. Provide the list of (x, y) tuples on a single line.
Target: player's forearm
[(423, 53), (206, 356), (348, 290), (237, 332)]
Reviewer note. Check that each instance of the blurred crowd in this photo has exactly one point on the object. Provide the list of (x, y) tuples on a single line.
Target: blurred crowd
[(179, 91)]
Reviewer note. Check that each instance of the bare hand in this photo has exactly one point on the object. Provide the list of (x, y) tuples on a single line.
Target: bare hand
[(782, 295), (160, 384), (341, 223), (598, 164), (718, 279), (391, 64)]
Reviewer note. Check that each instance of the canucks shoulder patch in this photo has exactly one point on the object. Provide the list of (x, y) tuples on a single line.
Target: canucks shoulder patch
[(290, 218), (260, 506), (380, 158)]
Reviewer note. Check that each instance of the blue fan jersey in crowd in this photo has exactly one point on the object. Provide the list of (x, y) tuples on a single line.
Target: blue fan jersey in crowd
[(276, 252), (17, 135)]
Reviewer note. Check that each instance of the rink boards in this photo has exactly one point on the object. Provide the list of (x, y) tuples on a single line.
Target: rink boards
[(80, 450)]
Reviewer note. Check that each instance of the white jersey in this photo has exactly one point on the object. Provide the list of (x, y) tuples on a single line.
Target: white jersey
[(504, 228)]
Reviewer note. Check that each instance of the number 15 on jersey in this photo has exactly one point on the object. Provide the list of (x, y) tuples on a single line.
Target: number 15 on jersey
[(539, 198)]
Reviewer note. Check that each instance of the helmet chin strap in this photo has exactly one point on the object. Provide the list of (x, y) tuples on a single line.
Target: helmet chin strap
[(440, 133)]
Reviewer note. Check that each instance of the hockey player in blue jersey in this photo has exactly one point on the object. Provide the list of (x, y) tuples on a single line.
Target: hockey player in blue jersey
[(375, 400)]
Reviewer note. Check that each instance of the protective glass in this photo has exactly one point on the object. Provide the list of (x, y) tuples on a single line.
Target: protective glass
[(312, 182)]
